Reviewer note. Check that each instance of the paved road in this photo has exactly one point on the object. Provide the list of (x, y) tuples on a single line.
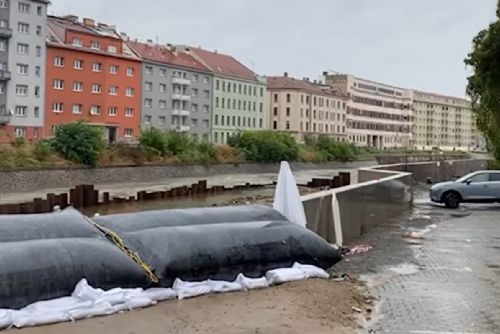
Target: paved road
[(446, 279)]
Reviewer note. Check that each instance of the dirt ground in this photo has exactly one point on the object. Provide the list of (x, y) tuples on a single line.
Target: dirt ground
[(312, 306)]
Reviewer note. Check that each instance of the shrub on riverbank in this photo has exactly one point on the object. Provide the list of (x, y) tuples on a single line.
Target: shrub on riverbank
[(328, 149), (265, 146)]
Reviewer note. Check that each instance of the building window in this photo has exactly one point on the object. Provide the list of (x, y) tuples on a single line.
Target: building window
[(58, 84), (163, 88), (128, 133), (39, 31), (194, 107), (3, 45), (163, 104), (194, 122), (96, 67), (206, 80), (2, 89), (275, 98), (22, 49), (163, 72), (206, 123), (148, 103), (129, 92), (59, 61), (38, 71), (288, 112), (77, 108), (275, 125), (4, 4), (112, 49), (162, 120), (149, 70), (206, 94), (129, 112), (22, 90), (78, 86), (216, 102), (24, 8), (275, 111), (112, 111), (206, 108), (194, 92), (148, 86), (95, 110), (76, 42), (288, 125), (217, 84), (36, 112), (95, 45), (113, 69), (288, 98), (78, 64), (113, 90), (37, 91), (96, 88), (57, 107), (130, 72), (20, 132), (23, 28), (147, 119), (38, 51)]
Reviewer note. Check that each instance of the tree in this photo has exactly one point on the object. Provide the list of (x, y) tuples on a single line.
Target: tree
[(484, 84), (79, 142)]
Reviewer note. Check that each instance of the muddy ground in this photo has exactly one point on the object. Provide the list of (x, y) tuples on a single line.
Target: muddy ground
[(312, 306)]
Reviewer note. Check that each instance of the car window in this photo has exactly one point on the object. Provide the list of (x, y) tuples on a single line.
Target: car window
[(480, 178), (495, 177)]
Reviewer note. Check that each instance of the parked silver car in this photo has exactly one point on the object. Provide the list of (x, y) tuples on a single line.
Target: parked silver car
[(478, 187)]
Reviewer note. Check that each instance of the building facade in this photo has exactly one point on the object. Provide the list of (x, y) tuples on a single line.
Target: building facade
[(176, 90), (239, 95), (378, 115), (91, 75), (444, 122), (22, 62), (304, 108)]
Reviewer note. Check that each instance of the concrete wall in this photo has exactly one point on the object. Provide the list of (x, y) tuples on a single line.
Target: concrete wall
[(411, 158), (26, 181)]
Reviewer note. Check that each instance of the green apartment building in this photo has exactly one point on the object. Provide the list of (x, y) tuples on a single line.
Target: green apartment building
[(239, 95)]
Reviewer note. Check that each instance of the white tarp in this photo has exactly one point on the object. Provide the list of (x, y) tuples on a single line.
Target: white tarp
[(87, 302), (287, 197)]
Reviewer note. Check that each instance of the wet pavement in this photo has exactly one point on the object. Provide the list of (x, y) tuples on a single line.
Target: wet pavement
[(434, 271)]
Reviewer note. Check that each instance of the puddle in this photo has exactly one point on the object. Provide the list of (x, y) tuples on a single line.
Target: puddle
[(404, 269)]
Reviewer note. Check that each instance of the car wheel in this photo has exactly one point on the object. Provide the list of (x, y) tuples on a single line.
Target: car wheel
[(452, 200)]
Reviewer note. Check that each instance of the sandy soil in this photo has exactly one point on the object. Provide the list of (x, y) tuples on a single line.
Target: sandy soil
[(313, 306)]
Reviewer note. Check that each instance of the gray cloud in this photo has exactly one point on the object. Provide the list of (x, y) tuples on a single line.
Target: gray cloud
[(417, 44)]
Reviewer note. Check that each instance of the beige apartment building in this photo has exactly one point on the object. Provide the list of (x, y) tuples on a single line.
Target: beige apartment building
[(378, 115), (444, 122), (305, 108)]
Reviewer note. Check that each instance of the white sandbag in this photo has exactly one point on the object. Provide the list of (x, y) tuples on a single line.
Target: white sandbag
[(190, 289), (160, 294), (22, 319), (134, 303), (223, 286), (310, 271), (5, 318), (252, 283), (287, 197), (85, 292), (64, 304), (97, 309), (279, 276)]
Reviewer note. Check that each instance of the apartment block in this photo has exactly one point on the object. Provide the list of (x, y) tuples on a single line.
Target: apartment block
[(239, 95), (91, 75), (176, 90), (444, 122), (378, 115), (22, 75), (303, 108)]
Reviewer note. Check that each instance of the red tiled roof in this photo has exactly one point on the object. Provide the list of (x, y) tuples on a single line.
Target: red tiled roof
[(224, 64), (162, 54), (300, 85)]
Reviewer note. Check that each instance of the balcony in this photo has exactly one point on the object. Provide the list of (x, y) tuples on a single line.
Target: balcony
[(181, 81), (181, 97), (4, 119), (180, 128), (4, 75), (180, 112), (5, 32)]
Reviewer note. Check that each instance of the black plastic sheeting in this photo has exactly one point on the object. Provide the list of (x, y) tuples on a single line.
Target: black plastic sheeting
[(44, 256), (218, 243)]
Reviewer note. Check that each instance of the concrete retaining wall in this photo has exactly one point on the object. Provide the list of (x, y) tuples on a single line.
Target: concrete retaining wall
[(411, 158), (26, 181)]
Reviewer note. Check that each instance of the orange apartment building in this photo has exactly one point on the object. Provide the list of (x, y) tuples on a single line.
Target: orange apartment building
[(91, 75)]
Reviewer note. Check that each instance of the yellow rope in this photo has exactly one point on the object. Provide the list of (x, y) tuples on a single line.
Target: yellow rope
[(121, 245)]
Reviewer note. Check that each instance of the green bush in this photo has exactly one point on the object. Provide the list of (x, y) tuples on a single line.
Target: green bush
[(42, 150), (79, 142), (265, 146), (153, 141), (177, 143), (330, 149)]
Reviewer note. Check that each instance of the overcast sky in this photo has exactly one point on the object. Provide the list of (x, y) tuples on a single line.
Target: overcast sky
[(410, 43)]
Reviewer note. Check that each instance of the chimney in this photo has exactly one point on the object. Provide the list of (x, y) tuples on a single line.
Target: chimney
[(216, 51), (150, 42), (285, 74), (102, 25), (124, 36), (88, 22), (325, 73), (72, 18)]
